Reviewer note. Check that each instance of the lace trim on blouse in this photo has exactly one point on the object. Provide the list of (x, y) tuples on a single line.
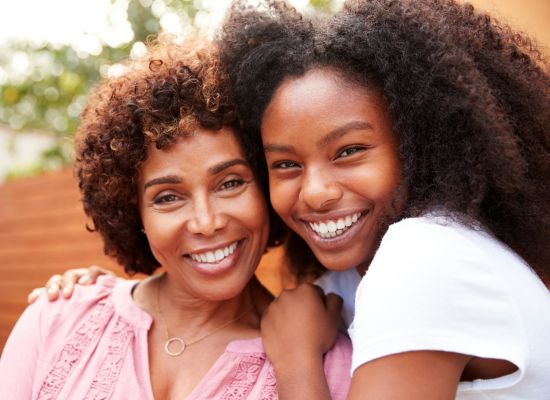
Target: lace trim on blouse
[(104, 383), (74, 348), (85, 337), (245, 378)]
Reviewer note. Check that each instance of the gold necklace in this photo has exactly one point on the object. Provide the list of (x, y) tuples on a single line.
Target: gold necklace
[(176, 340)]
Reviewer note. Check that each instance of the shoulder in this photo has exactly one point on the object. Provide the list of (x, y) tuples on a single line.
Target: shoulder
[(81, 295), (431, 246), (439, 234), (92, 299), (437, 284)]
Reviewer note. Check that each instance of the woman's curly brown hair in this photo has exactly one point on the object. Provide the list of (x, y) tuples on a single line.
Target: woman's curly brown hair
[(468, 98), (177, 88)]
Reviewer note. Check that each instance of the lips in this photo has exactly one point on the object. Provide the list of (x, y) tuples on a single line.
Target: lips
[(332, 228)]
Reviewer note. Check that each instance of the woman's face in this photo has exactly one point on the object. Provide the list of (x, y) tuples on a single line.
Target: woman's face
[(203, 213), (333, 166)]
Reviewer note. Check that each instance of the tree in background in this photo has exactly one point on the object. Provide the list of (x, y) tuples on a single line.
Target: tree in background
[(50, 85)]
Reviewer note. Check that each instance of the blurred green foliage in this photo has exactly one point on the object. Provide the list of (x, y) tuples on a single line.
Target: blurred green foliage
[(51, 92)]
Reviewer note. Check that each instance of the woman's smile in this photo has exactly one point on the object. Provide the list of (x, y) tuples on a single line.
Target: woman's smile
[(216, 261)]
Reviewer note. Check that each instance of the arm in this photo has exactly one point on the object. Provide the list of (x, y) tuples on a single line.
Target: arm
[(297, 329), (418, 375), (65, 284), (18, 363)]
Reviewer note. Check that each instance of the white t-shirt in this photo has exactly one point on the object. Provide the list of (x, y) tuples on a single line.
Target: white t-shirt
[(438, 285), (344, 284)]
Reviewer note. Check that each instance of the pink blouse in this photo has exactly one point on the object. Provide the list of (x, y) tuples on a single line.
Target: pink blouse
[(94, 346)]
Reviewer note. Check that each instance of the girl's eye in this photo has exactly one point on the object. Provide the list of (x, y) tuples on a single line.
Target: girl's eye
[(284, 165), (165, 199), (349, 151), (232, 184)]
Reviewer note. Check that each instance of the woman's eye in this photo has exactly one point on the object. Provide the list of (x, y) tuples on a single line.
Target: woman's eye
[(284, 165), (165, 199), (349, 151), (232, 184)]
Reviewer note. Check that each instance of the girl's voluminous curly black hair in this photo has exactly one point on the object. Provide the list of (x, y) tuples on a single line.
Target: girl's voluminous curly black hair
[(469, 100), (177, 88)]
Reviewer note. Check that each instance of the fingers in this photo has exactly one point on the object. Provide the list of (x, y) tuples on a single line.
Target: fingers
[(70, 278), (65, 284), (81, 276), (51, 289), (35, 294), (92, 273), (334, 304), (53, 286)]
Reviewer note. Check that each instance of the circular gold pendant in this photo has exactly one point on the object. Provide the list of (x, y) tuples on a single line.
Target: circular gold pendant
[(179, 344)]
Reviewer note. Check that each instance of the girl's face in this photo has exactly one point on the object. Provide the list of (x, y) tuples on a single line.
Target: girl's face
[(333, 166), (203, 213)]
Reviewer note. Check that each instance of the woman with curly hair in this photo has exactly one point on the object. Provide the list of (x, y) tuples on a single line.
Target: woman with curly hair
[(406, 142), (167, 183)]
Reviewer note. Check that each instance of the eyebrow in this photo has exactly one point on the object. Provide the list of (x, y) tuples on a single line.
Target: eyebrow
[(216, 169), (342, 131), (278, 148), (174, 179), (162, 180), (325, 140)]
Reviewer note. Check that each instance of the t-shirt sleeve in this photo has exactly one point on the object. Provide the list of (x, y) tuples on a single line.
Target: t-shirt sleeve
[(431, 287)]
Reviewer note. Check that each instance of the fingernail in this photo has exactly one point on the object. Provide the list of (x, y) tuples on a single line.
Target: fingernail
[(52, 288)]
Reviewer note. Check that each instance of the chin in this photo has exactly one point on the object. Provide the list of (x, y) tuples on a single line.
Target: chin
[(341, 261), (226, 292)]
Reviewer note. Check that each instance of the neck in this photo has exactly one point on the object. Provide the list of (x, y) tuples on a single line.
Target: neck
[(185, 314)]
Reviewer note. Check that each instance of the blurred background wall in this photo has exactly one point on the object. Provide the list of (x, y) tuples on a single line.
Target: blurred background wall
[(43, 85)]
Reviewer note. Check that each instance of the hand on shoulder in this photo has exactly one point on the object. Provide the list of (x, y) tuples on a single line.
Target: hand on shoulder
[(64, 284)]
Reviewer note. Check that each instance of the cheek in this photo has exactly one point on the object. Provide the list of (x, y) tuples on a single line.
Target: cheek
[(256, 211), (162, 232), (282, 195)]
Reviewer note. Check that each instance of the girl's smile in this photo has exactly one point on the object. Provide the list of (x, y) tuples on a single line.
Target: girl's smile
[(333, 165)]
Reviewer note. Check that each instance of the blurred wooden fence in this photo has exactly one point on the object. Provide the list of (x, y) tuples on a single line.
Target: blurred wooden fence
[(42, 232)]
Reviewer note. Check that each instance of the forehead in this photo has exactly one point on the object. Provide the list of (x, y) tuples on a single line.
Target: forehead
[(195, 152), (319, 101)]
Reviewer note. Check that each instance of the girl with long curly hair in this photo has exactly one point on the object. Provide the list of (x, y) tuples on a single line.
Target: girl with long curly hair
[(406, 142)]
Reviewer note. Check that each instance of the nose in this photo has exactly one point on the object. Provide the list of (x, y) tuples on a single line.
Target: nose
[(319, 189), (206, 218)]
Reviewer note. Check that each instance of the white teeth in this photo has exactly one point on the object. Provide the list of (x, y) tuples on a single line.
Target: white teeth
[(214, 256), (333, 228)]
